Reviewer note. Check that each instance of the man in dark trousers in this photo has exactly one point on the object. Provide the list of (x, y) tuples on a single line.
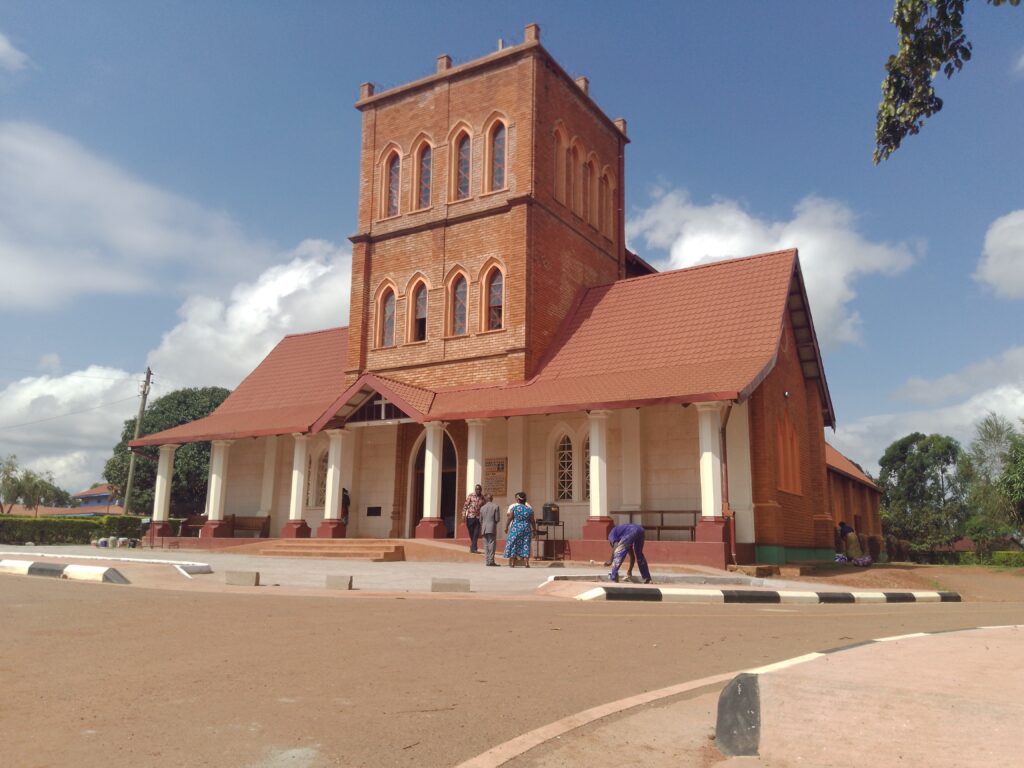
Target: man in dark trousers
[(623, 538), (490, 518), (471, 515)]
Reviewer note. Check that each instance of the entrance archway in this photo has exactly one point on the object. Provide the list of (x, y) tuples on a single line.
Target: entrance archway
[(449, 484)]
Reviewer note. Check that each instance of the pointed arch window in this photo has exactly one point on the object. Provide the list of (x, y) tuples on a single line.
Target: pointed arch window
[(563, 469), (602, 206), (559, 167), (585, 191), (497, 157), (387, 319), (495, 300), (586, 468), (393, 178), (419, 302), (316, 481), (787, 455), (569, 171), (460, 293), (423, 178), (462, 166)]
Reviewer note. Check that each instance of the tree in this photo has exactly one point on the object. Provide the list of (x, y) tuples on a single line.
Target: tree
[(980, 468), (191, 461), (1011, 483), (922, 494), (31, 489), (931, 40)]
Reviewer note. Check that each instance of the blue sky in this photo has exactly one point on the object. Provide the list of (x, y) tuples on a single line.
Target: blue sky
[(178, 180)]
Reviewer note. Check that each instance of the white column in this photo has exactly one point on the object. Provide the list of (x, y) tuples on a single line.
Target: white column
[(709, 428), (516, 435), (162, 488), (338, 447), (269, 473), (297, 501), (215, 487), (475, 454), (432, 469), (598, 463), (632, 469)]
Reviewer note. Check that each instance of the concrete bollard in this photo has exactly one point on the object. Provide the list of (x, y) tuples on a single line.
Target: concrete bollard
[(337, 581), (242, 578), (449, 585)]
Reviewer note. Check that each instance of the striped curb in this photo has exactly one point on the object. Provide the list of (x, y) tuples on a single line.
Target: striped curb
[(62, 571), (738, 724), (185, 567), (773, 597)]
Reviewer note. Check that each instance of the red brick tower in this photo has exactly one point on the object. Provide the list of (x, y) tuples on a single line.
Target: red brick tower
[(490, 193)]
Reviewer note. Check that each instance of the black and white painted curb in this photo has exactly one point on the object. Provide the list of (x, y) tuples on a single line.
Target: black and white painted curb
[(63, 571), (684, 595), (184, 567), (738, 727)]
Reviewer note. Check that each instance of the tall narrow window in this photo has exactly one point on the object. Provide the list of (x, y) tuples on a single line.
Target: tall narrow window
[(387, 320), (567, 169), (602, 206), (459, 291), (393, 178), (559, 167), (585, 191), (423, 193), (419, 329), (462, 148), (495, 300), (563, 469), (574, 171), (498, 157)]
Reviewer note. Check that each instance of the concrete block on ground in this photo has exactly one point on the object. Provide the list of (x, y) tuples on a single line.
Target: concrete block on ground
[(337, 581), (242, 578), (449, 585)]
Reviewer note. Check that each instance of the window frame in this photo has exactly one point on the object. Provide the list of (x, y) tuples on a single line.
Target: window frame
[(423, 148), (412, 305), (453, 283), (565, 475), (492, 155), (381, 331), (462, 135), (391, 197), (485, 299)]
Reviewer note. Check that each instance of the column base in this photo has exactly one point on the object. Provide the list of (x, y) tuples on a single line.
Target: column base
[(162, 528), (296, 529), (331, 529), (431, 528), (712, 529), (598, 528), (216, 529)]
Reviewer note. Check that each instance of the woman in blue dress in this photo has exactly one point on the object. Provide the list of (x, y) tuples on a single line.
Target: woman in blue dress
[(520, 527)]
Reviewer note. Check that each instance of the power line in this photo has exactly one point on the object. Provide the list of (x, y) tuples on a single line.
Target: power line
[(65, 415)]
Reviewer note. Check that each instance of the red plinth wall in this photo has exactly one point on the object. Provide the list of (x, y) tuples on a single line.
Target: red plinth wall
[(162, 528), (598, 528), (331, 529), (431, 528), (216, 529), (296, 529), (711, 529)]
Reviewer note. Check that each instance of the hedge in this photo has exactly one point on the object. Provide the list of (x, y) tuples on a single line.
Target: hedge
[(67, 530), (1010, 558)]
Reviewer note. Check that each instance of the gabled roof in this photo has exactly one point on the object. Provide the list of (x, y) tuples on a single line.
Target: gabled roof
[(834, 460), (99, 490), (287, 392)]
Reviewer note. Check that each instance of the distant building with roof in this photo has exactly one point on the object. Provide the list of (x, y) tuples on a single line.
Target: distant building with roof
[(98, 496), (501, 333)]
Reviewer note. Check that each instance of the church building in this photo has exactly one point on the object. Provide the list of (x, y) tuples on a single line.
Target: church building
[(501, 333)]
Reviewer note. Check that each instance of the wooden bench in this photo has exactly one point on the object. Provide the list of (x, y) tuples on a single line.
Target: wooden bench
[(191, 525), (259, 526), (667, 520)]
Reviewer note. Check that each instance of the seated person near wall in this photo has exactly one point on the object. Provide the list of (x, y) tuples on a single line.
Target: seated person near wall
[(851, 551)]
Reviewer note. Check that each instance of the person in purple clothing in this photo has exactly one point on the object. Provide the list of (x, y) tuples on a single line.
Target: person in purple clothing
[(624, 539)]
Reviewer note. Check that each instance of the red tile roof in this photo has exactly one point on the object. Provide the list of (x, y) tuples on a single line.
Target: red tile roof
[(287, 392), (99, 490), (836, 461), (705, 333)]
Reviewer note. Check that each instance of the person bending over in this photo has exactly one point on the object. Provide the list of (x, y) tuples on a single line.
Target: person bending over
[(628, 539)]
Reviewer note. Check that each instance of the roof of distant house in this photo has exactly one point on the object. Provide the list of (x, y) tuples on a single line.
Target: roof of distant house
[(99, 490), (836, 461)]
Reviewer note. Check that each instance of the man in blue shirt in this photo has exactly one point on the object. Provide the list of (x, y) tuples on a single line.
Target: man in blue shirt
[(623, 538)]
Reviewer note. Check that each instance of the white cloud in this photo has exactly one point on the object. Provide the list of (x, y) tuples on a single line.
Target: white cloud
[(833, 254), (217, 342), (1019, 66), (72, 223), (990, 385), (11, 58), (1002, 261)]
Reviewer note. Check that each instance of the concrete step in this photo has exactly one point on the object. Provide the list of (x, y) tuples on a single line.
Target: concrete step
[(384, 556), (369, 549)]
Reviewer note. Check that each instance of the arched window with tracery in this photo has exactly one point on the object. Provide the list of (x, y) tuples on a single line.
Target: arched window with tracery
[(393, 166), (586, 468), (495, 300), (316, 481), (386, 336), (496, 174), (602, 205), (563, 469), (585, 191), (560, 150), (423, 177), (459, 304), (570, 177), (462, 166)]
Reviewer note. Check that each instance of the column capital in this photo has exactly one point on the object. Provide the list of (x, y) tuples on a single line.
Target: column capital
[(337, 431), (169, 447), (476, 422), (434, 426), (224, 443), (710, 407), (300, 437), (600, 414)]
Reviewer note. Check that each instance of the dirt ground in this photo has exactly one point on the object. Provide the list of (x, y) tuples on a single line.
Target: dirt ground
[(974, 583), (103, 675)]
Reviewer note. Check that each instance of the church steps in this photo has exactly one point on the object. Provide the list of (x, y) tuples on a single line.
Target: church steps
[(347, 549)]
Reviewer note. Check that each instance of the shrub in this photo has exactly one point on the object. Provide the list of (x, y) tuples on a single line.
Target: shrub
[(67, 530), (120, 525), (1009, 559), (973, 558)]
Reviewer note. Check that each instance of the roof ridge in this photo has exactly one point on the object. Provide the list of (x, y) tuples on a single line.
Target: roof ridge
[(313, 333), (705, 265), (389, 380)]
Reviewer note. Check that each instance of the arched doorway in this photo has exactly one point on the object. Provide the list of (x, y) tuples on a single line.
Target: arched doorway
[(449, 480)]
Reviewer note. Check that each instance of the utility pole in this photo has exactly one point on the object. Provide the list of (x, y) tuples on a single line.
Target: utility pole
[(138, 428)]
